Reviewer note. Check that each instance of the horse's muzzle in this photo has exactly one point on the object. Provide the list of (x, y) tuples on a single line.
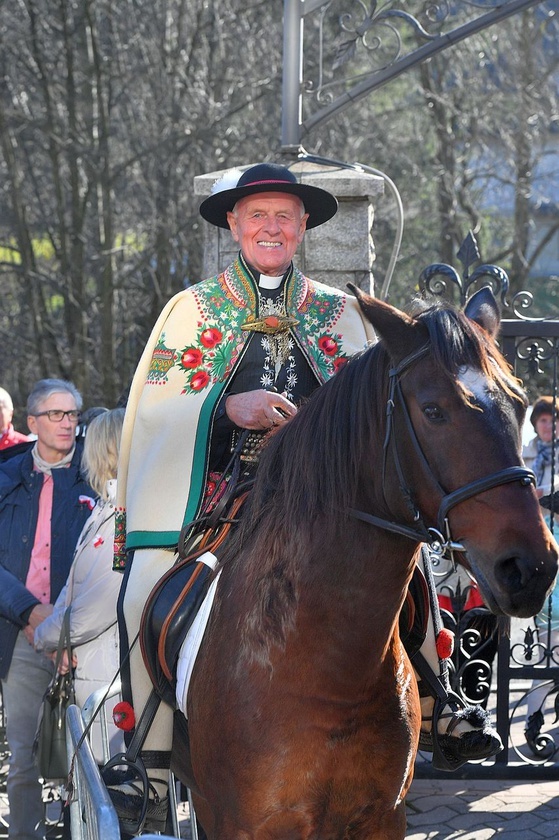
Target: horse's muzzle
[(519, 584)]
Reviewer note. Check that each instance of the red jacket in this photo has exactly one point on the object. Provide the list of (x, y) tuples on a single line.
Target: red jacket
[(11, 437)]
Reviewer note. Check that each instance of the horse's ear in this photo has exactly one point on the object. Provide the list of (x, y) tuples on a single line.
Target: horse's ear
[(483, 309), (401, 335)]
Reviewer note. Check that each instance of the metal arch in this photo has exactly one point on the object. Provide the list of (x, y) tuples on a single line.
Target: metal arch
[(294, 127)]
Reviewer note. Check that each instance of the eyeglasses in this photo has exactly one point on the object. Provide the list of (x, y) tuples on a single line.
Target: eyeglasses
[(55, 415)]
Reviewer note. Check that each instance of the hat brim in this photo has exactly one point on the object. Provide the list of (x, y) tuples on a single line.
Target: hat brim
[(319, 204)]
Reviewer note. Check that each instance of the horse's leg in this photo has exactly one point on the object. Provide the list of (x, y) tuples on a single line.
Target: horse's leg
[(204, 818), (392, 827)]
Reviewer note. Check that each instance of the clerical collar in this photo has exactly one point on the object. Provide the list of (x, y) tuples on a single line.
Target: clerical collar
[(264, 281), (267, 282)]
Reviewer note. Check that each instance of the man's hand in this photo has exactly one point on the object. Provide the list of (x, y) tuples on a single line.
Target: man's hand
[(259, 409), (37, 615)]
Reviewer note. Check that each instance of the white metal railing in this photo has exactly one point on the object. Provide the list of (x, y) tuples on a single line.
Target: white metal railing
[(92, 814)]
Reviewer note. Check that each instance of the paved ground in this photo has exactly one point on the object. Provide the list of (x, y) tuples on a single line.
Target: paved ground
[(478, 810)]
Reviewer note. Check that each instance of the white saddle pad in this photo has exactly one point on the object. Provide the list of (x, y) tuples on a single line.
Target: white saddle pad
[(193, 639)]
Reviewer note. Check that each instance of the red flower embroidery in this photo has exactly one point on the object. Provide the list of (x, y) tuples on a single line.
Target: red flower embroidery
[(191, 358), (199, 380), (339, 363), (328, 346), (211, 337)]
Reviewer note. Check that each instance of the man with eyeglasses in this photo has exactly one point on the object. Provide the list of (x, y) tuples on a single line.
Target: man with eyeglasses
[(44, 503)]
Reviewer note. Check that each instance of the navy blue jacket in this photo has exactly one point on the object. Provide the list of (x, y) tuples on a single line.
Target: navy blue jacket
[(20, 487)]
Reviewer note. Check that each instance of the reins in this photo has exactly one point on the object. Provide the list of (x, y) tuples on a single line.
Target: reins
[(439, 537)]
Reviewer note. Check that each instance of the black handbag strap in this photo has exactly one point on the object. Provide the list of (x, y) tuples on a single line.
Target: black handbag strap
[(63, 644)]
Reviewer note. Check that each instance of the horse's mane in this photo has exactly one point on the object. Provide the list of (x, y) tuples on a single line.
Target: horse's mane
[(311, 467)]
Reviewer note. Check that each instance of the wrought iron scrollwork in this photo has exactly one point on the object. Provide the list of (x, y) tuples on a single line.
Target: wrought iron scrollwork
[(535, 350), (359, 45), (435, 279), (367, 26), (537, 710)]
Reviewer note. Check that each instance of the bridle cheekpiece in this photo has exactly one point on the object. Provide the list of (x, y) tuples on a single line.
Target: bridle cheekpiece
[(439, 537)]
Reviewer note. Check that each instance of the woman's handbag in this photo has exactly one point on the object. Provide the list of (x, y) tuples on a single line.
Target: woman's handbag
[(49, 747)]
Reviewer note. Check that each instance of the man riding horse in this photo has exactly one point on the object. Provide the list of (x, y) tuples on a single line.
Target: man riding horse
[(239, 352)]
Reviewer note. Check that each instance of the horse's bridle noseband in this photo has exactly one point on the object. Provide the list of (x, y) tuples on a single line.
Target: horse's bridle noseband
[(438, 538)]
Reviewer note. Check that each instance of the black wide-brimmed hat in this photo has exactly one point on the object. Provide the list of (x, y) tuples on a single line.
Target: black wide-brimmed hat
[(267, 177)]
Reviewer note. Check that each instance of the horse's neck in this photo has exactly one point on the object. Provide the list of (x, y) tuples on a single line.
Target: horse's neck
[(364, 585)]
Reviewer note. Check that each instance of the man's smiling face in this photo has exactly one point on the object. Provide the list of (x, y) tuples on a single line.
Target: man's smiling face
[(268, 227)]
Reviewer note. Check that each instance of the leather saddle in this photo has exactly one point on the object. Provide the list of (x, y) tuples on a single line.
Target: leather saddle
[(177, 597), (168, 614)]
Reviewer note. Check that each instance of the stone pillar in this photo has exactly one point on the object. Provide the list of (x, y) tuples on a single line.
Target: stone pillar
[(335, 253)]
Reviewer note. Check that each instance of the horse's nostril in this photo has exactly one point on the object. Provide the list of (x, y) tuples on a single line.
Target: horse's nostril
[(510, 573)]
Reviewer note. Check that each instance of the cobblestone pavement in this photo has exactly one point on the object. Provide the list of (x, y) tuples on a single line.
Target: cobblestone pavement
[(481, 809)]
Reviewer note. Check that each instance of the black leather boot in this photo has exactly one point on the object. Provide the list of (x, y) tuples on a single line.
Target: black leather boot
[(137, 796), (451, 751)]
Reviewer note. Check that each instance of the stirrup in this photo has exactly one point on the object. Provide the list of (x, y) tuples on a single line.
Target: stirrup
[(450, 752), (136, 811)]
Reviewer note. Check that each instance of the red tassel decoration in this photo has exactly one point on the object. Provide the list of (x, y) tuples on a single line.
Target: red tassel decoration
[(445, 643), (123, 716)]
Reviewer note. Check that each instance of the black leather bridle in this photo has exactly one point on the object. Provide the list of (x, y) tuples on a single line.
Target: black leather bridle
[(439, 538)]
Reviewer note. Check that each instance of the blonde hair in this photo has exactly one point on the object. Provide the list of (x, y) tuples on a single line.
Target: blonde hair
[(101, 447)]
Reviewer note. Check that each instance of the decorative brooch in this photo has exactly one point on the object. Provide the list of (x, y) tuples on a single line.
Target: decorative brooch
[(270, 325)]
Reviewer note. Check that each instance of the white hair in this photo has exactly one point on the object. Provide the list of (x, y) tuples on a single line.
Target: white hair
[(6, 400), (44, 388)]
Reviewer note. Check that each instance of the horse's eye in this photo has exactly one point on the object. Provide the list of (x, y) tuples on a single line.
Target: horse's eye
[(433, 412)]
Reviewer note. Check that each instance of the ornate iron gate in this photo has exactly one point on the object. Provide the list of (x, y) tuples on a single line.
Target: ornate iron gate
[(489, 666)]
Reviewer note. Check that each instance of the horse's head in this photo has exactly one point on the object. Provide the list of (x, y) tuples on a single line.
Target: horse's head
[(453, 448)]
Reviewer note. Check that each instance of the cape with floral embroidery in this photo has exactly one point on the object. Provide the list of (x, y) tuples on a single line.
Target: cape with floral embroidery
[(193, 351)]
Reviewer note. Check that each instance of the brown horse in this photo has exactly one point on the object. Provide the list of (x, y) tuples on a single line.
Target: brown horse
[(303, 711)]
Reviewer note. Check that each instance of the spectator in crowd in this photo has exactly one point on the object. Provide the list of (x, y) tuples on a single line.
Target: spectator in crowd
[(8, 435), (541, 454), (92, 587), (44, 503), (87, 416)]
